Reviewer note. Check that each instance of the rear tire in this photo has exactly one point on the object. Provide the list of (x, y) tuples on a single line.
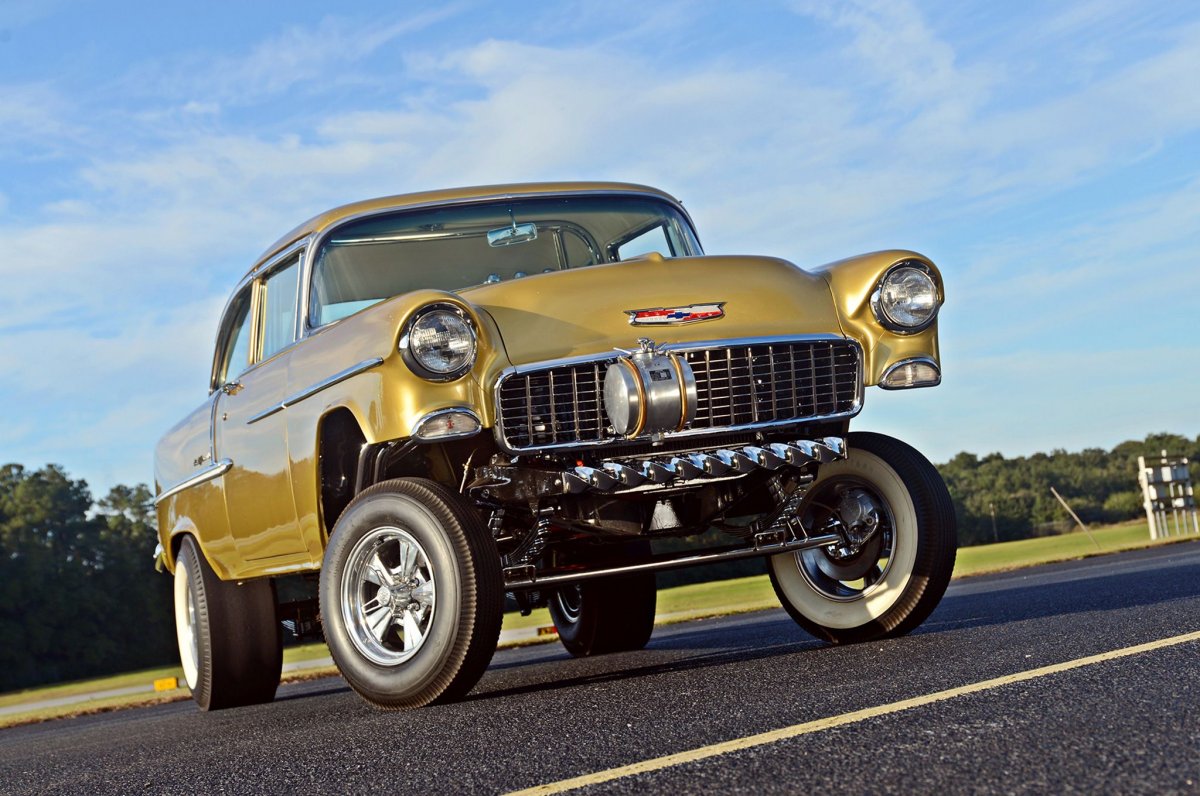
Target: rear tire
[(230, 643), (892, 584), (410, 593), (615, 614)]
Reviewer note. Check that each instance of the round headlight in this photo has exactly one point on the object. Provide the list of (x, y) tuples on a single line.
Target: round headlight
[(907, 299), (441, 341)]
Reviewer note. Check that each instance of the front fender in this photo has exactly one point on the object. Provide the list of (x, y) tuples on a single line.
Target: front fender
[(852, 282)]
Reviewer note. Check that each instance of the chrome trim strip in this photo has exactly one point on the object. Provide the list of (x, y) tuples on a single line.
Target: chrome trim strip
[(259, 267), (264, 414), (699, 345), (214, 470), (309, 392), (458, 410), (911, 361)]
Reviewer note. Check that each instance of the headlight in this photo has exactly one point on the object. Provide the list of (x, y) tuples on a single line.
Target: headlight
[(439, 343), (907, 298)]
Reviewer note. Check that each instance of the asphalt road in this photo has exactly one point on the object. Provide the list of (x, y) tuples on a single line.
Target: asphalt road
[(1127, 724)]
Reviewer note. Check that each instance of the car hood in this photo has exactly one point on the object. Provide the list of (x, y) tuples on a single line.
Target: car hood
[(586, 311)]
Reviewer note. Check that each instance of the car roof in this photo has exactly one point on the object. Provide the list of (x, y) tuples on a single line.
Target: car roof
[(323, 221)]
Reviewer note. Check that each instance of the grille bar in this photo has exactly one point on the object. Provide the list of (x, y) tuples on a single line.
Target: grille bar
[(739, 385)]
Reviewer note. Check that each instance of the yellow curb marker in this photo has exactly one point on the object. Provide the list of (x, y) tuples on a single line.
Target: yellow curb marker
[(166, 684), (808, 727)]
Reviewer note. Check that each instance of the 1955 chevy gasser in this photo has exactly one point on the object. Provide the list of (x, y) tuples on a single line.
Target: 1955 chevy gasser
[(437, 399)]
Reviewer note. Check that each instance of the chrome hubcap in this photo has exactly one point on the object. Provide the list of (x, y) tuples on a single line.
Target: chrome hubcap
[(388, 596), (850, 569), (570, 602)]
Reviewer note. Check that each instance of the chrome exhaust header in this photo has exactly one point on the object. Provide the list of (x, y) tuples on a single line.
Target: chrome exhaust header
[(617, 476)]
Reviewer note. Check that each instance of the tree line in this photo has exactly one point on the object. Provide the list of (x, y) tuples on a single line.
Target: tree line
[(998, 499), (79, 596)]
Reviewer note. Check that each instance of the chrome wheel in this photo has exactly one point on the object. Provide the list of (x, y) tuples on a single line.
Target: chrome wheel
[(853, 568), (895, 523), (570, 602), (388, 596)]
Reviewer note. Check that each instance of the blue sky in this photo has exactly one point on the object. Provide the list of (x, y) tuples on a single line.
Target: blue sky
[(1046, 155)]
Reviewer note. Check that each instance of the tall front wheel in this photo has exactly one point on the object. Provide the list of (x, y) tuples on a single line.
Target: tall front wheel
[(230, 643), (899, 539), (410, 594)]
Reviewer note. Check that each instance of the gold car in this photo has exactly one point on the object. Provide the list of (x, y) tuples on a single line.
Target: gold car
[(438, 399)]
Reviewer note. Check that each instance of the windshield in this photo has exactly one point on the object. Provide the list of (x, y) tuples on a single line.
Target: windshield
[(456, 247)]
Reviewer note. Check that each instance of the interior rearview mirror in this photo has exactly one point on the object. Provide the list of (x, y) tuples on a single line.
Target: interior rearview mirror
[(516, 233)]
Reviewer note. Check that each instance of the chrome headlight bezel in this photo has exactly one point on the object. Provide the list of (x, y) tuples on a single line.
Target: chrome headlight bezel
[(881, 310), (413, 359)]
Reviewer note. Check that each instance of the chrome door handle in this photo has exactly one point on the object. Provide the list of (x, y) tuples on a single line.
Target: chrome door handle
[(231, 387)]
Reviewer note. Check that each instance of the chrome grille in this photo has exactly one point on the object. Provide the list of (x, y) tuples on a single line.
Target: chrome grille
[(738, 386)]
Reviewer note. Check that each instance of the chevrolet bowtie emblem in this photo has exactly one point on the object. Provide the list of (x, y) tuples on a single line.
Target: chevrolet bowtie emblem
[(660, 316)]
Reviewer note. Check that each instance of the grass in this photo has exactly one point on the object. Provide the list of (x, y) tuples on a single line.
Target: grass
[(1028, 552), (681, 603)]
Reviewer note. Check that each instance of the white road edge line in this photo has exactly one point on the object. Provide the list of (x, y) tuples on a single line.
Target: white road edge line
[(737, 744)]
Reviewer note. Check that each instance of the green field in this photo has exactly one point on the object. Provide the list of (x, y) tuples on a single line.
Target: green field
[(677, 604)]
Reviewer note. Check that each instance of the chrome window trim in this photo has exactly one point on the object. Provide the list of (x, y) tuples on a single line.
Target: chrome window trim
[(881, 316), (259, 268), (214, 470), (310, 391), (459, 410), (911, 361), (319, 239), (728, 342)]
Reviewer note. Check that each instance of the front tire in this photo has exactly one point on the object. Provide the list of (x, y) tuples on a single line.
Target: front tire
[(230, 643), (889, 584), (410, 594)]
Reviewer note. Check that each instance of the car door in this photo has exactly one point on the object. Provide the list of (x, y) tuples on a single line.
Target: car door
[(249, 424)]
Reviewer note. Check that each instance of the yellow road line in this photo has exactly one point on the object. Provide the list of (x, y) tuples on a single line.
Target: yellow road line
[(737, 744)]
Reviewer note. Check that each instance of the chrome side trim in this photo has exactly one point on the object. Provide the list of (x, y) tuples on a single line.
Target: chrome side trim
[(309, 392), (264, 414), (532, 367), (911, 361), (214, 470)]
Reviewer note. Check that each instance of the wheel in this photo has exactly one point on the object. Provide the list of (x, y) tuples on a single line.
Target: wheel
[(230, 643), (897, 554), (614, 614), (410, 594)]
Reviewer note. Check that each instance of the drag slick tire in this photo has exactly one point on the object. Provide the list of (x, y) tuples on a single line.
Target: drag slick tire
[(410, 593), (230, 642), (614, 614), (885, 586)]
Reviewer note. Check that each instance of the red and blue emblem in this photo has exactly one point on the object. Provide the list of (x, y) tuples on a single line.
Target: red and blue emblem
[(661, 316)]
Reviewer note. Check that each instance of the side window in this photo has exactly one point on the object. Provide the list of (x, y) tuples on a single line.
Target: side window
[(279, 309), (235, 339), (652, 240)]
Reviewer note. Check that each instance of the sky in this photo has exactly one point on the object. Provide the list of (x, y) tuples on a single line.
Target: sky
[(1045, 155)]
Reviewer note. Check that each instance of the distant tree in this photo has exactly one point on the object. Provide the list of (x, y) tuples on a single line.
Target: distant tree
[(78, 596)]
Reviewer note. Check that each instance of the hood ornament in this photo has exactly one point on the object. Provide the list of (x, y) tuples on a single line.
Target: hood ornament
[(673, 316)]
